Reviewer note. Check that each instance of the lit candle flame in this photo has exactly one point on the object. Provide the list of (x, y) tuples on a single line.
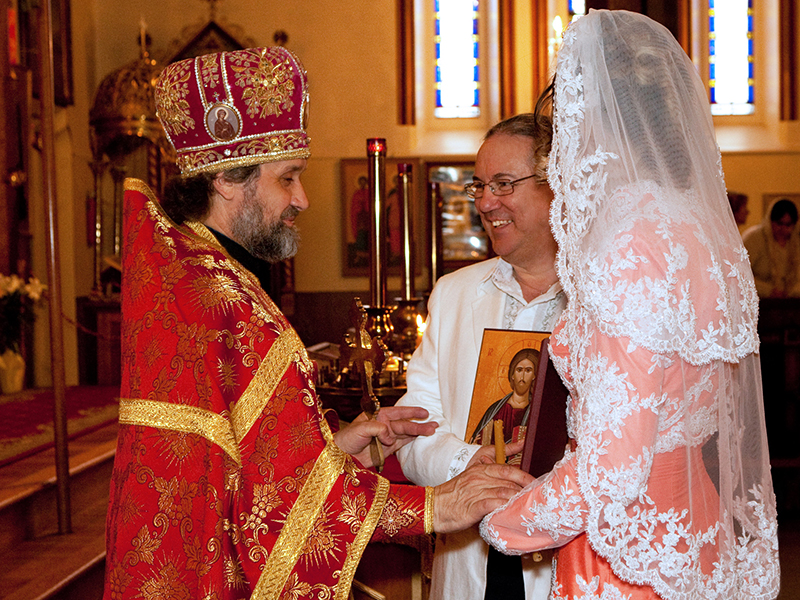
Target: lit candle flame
[(558, 27), (421, 325)]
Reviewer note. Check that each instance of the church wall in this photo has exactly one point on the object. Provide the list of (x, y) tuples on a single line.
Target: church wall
[(756, 174)]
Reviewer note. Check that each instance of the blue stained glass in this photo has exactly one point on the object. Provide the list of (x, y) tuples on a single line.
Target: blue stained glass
[(730, 54), (457, 59)]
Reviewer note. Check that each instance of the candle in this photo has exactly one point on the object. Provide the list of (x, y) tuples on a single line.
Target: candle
[(499, 443), (142, 34), (376, 152), (404, 176), (421, 325)]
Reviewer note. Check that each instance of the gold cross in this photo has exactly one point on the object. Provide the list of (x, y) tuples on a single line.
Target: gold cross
[(366, 355)]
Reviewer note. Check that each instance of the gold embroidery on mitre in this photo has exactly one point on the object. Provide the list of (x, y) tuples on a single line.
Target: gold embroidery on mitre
[(275, 85), (302, 516), (283, 352), (208, 71), (180, 417), (271, 149), (360, 542), (173, 108)]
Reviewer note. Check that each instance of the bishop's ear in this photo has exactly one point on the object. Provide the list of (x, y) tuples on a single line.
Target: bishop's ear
[(224, 187)]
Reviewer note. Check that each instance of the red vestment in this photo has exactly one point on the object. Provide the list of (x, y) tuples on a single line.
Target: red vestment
[(227, 482)]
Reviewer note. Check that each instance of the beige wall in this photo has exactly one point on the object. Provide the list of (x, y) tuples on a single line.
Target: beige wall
[(348, 49), (756, 174)]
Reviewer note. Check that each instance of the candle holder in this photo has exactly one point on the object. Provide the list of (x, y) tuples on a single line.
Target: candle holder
[(376, 154), (406, 327), (379, 322)]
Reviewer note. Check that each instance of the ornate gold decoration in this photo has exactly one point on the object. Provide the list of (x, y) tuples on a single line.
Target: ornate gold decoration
[(178, 417), (273, 95), (172, 98), (270, 372), (429, 510), (363, 537), (124, 112), (298, 524)]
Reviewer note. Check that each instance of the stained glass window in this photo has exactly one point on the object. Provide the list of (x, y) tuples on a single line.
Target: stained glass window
[(457, 73), (577, 7), (730, 54)]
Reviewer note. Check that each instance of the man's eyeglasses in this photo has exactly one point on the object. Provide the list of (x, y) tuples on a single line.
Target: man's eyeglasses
[(499, 188)]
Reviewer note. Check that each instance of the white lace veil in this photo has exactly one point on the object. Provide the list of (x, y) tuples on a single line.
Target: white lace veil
[(649, 253)]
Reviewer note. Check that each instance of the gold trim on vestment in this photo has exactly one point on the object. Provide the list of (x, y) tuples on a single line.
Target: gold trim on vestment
[(137, 185), (362, 538), (302, 518), (429, 510), (180, 417), (250, 405), (203, 232)]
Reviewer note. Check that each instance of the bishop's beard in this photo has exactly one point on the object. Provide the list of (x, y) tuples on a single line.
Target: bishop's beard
[(273, 242)]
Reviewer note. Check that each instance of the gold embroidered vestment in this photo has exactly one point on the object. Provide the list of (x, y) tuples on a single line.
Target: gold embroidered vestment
[(227, 483)]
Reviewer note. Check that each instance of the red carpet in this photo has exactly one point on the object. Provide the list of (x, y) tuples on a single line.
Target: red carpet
[(26, 418)]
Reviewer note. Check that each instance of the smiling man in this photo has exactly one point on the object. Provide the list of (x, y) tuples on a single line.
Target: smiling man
[(516, 290), (228, 482)]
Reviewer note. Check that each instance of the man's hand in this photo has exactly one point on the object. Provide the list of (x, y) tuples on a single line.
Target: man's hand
[(393, 427), (466, 499), (485, 455)]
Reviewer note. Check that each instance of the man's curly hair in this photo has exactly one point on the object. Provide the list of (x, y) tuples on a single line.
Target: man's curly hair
[(189, 198), (538, 126)]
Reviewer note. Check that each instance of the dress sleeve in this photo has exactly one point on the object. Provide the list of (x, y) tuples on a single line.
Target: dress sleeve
[(614, 418)]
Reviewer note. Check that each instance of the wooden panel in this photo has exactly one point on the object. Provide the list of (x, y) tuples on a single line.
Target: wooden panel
[(507, 81), (406, 66), (540, 64), (788, 60)]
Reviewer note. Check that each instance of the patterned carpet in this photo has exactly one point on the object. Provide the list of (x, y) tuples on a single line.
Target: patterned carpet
[(26, 418)]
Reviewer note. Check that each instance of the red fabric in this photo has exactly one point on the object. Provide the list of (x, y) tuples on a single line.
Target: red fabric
[(186, 520)]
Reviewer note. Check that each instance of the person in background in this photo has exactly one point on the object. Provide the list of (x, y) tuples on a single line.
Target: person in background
[(739, 208), (228, 482), (774, 249), (518, 289), (665, 489)]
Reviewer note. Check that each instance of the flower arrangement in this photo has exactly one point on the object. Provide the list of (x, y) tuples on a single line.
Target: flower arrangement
[(17, 299)]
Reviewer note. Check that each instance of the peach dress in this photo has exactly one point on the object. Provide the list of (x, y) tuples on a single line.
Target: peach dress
[(666, 490)]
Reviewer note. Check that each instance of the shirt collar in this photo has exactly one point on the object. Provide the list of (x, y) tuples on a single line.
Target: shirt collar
[(502, 277)]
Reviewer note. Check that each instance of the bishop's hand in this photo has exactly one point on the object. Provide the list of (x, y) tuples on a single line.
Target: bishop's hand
[(467, 498), (394, 426)]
